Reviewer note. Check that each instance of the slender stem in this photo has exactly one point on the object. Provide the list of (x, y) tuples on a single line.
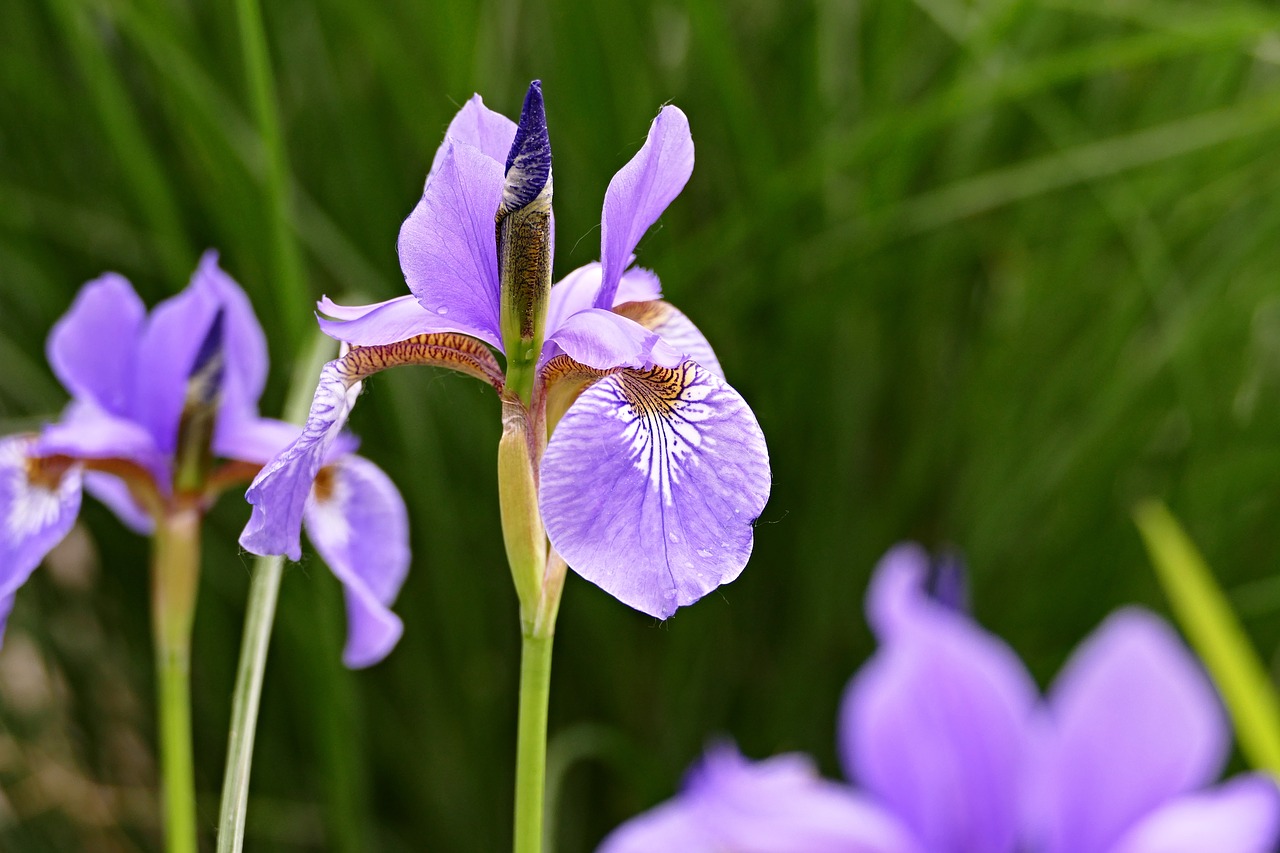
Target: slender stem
[(175, 575), (531, 739)]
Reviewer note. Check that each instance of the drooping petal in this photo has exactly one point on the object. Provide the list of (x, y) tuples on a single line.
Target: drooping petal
[(114, 494), (651, 483), (577, 291), (1241, 816), (480, 127), (675, 329), (1132, 722), (257, 440), (92, 347), (357, 520), (779, 805), (935, 724), (279, 493), (381, 323), (640, 192), (448, 249), (604, 340), (86, 431), (39, 503)]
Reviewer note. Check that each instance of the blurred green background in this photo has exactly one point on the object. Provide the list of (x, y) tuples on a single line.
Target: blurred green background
[(988, 272)]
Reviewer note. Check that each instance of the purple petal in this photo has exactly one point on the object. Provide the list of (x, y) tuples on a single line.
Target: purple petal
[(357, 521), (448, 250), (114, 494), (34, 514), (640, 192), (577, 292), (88, 432), (651, 483), (1241, 816), (279, 493), (254, 439), (91, 348), (381, 323), (897, 590), (480, 127), (1132, 722), (779, 805), (935, 724), (605, 340), (676, 330)]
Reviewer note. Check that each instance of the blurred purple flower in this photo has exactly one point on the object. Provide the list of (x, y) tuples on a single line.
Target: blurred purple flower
[(656, 468), (137, 384), (952, 751)]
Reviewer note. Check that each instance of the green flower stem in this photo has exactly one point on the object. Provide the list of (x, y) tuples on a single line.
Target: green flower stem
[(175, 575), (531, 739), (260, 614)]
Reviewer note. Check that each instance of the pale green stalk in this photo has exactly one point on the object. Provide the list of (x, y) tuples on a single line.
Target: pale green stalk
[(260, 613)]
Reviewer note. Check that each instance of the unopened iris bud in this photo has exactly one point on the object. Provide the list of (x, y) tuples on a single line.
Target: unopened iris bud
[(523, 223), (194, 455)]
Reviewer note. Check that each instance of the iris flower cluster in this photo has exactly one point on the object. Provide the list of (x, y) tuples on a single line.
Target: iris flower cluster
[(952, 750)]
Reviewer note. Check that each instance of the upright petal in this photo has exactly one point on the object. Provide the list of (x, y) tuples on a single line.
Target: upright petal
[(1242, 816), (640, 192), (1132, 722), (39, 501), (448, 249), (245, 344), (605, 340), (279, 493), (779, 805), (480, 127), (92, 347), (651, 484), (935, 724), (381, 323), (358, 522)]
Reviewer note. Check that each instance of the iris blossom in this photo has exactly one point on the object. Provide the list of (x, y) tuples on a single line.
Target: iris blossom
[(953, 751), (648, 468), (163, 417)]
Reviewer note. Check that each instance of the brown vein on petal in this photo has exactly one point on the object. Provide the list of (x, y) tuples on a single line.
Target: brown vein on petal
[(651, 314), (456, 352), (656, 391)]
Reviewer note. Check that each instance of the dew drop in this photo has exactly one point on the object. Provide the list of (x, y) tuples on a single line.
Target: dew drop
[(442, 310), (703, 552), (673, 537)]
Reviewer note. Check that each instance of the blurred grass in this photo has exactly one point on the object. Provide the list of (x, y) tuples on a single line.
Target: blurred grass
[(988, 272)]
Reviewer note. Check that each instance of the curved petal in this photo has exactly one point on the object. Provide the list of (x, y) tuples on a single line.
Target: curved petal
[(112, 492), (651, 483), (357, 521), (256, 440), (675, 329), (935, 724), (1241, 816), (1132, 722), (87, 432), (605, 340), (381, 323), (279, 493), (92, 347), (480, 127), (779, 805), (640, 192), (38, 506), (577, 292), (245, 345), (448, 249)]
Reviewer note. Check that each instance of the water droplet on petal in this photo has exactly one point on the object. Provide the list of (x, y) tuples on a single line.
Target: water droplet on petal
[(703, 552), (442, 310), (673, 537)]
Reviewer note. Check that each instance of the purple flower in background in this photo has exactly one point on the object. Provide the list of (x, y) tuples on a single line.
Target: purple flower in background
[(163, 418), (952, 751), (655, 468)]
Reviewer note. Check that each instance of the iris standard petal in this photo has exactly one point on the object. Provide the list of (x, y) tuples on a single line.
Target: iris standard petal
[(896, 593), (381, 323), (934, 726), (91, 348), (675, 329), (780, 805), (112, 492), (604, 340), (357, 520), (640, 192), (39, 501), (577, 291), (480, 127), (1241, 816), (279, 493), (448, 249), (244, 346), (1132, 721), (651, 483)]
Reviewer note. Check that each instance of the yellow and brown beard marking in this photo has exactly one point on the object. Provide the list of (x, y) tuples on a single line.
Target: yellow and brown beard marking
[(325, 483), (458, 352), (650, 314), (654, 392), (46, 472), (524, 264)]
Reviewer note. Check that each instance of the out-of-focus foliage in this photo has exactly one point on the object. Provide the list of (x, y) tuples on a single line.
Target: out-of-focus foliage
[(988, 273)]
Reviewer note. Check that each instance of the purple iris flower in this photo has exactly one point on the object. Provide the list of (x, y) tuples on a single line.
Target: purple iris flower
[(651, 469), (953, 751), (140, 385)]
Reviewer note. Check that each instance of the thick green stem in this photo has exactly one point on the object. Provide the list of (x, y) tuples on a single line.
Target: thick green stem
[(531, 739), (175, 575)]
